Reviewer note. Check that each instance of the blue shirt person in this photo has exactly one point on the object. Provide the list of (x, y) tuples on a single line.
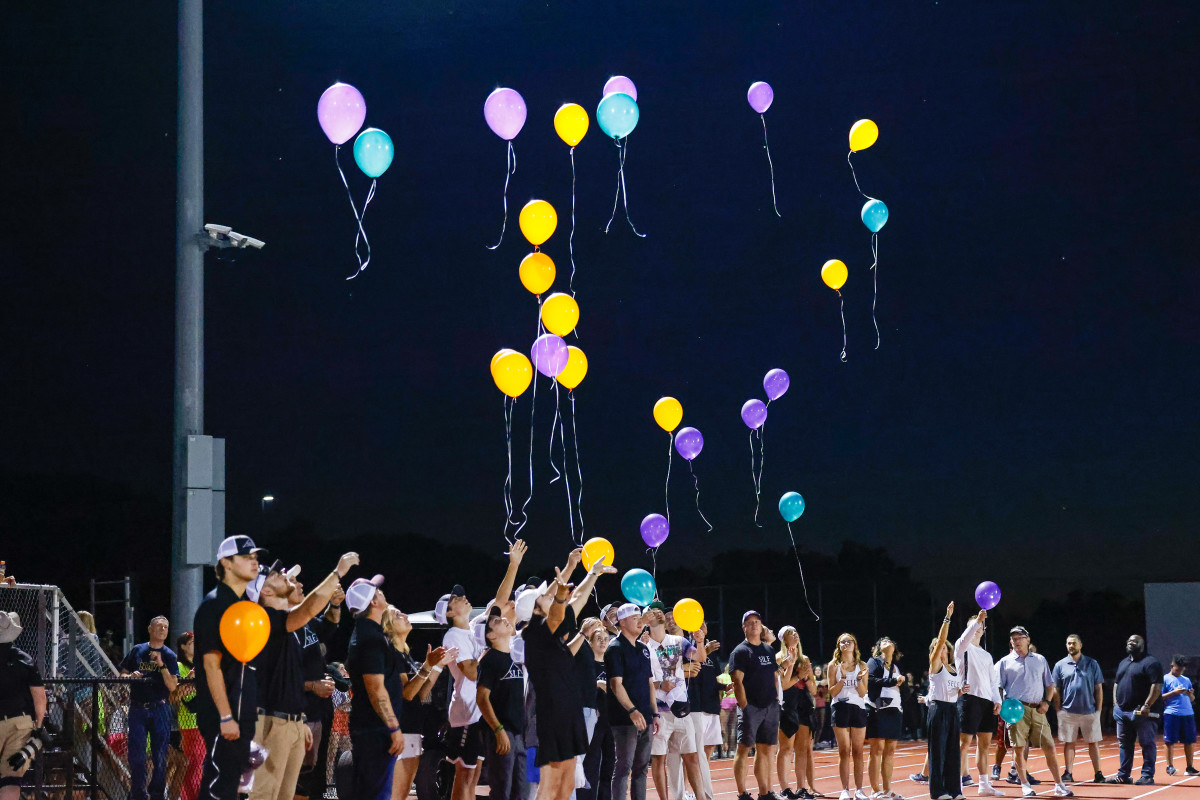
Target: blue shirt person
[(149, 712), (1179, 718)]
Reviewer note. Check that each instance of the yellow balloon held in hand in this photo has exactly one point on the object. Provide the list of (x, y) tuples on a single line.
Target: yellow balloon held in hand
[(538, 220), (863, 134), (512, 372), (834, 273), (689, 614), (560, 313), (668, 413), (537, 272), (571, 123), (575, 370), (597, 549)]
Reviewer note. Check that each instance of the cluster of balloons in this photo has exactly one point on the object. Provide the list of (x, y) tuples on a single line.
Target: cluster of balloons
[(760, 95), (244, 630), (754, 415)]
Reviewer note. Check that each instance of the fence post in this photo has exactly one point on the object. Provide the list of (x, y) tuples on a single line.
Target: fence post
[(55, 606), (95, 748), (128, 618)]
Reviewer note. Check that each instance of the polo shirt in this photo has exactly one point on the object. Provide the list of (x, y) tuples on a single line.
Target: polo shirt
[(138, 660), (371, 653), (241, 685), (1076, 683), (631, 663), (17, 675), (1135, 676), (757, 665)]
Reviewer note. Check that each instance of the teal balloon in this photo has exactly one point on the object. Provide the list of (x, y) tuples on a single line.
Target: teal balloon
[(373, 152), (791, 506), (1011, 711), (874, 215), (617, 115), (638, 586)]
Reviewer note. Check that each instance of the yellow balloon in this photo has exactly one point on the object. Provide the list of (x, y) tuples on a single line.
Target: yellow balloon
[(573, 374), (834, 273), (538, 221), (596, 550), (863, 134), (537, 272), (496, 358), (512, 373), (668, 413), (571, 123), (560, 313), (689, 614)]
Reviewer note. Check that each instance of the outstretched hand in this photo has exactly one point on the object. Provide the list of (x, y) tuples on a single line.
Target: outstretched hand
[(950, 609), (517, 551), (345, 563)]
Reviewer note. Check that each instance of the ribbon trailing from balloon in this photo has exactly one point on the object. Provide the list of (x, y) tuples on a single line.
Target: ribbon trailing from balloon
[(834, 274), (341, 112), (791, 506), (508, 503), (571, 125), (564, 474), (512, 373), (754, 415), (373, 152), (874, 214), (570, 377), (688, 443), (504, 111), (760, 96), (617, 115), (668, 413)]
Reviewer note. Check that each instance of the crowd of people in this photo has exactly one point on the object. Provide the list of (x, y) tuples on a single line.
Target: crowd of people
[(540, 702)]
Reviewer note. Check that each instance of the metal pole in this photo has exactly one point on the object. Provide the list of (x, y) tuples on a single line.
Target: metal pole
[(187, 583), (129, 641), (94, 754)]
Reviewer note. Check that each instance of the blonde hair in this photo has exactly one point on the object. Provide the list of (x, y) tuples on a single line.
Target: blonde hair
[(783, 648), (399, 641), (87, 621), (949, 659), (837, 653)]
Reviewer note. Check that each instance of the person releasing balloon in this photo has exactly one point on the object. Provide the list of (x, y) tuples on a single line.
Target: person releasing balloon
[(504, 111)]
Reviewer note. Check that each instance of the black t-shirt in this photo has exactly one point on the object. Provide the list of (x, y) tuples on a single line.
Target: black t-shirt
[(630, 663), (585, 675), (280, 668), (138, 660), (1134, 679), (371, 653), (505, 680), (601, 694), (412, 720), (551, 666), (241, 686), (757, 663), (17, 675), (704, 693), (313, 638)]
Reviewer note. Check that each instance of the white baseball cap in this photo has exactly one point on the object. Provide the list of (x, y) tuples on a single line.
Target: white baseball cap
[(628, 610), (442, 606), (362, 592), (526, 598)]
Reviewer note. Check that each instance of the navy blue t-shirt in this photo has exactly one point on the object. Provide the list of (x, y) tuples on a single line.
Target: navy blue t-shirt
[(757, 665), (630, 663), (138, 660)]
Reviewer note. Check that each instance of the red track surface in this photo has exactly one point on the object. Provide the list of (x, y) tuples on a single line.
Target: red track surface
[(911, 755)]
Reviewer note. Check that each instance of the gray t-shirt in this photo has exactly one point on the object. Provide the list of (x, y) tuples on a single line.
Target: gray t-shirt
[(1076, 684)]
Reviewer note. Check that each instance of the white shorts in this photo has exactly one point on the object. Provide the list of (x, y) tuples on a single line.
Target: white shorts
[(1072, 725), (674, 735), (412, 746), (706, 728)]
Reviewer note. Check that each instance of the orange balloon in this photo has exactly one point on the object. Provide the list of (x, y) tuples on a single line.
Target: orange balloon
[(244, 630), (597, 549), (537, 272)]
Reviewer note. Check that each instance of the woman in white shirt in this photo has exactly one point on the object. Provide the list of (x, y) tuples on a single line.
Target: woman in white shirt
[(944, 688), (979, 703), (848, 687)]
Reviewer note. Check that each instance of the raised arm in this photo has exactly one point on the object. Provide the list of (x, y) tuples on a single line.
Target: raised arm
[(964, 641), (558, 609), (584, 590), (318, 598), (515, 554), (935, 658)]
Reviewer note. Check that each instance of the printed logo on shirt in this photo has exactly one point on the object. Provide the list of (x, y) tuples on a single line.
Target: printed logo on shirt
[(515, 673), (766, 661)]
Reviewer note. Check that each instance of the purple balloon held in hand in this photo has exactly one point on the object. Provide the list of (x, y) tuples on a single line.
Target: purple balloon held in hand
[(341, 112), (754, 413), (776, 383), (987, 594), (505, 112), (619, 83), (689, 442), (760, 96), (549, 354), (655, 529)]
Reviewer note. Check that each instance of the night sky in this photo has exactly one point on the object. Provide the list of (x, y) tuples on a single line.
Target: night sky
[(1030, 413)]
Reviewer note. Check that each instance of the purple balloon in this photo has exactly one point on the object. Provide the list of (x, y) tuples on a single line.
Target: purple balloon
[(549, 354), (761, 95), (987, 594), (655, 529), (619, 83), (341, 112), (754, 413), (689, 442), (504, 111), (776, 383)]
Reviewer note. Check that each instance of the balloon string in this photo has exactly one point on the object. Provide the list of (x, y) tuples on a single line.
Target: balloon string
[(624, 195), (241, 691), (509, 403), (555, 427), (855, 176), (362, 232), (875, 274), (566, 475), (617, 196), (754, 479), (578, 463), (770, 164), (762, 452), (653, 551), (842, 311), (696, 480), (667, 490), (532, 408), (803, 585), (571, 238), (354, 208), (510, 169)]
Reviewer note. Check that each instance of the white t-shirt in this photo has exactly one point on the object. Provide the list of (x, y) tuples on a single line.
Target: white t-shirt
[(463, 710), (666, 664)]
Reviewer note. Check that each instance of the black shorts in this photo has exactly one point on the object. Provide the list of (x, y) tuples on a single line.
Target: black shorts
[(848, 715), (884, 723), (466, 745), (975, 715)]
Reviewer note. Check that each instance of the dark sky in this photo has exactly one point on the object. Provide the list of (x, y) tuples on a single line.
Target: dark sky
[(1032, 408)]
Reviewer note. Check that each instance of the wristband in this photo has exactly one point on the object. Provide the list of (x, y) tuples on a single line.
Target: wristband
[(436, 670), (393, 730), (947, 619), (226, 719), (499, 727)]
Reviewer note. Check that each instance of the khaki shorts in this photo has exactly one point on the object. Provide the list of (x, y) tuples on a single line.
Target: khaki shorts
[(1072, 726), (1032, 730), (675, 735), (14, 734)]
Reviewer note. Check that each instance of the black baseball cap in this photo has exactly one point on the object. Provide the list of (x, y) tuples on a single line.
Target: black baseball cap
[(1018, 630)]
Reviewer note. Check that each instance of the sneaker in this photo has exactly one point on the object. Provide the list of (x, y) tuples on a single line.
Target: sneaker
[(784, 792), (769, 796), (803, 794), (845, 795), (744, 796), (879, 795), (1028, 791), (1012, 777), (918, 777), (1191, 771), (859, 794), (995, 772), (1118, 778), (1032, 780), (896, 796), (966, 781), (688, 795), (1171, 770), (987, 790), (1145, 780), (1067, 777), (1062, 791), (1099, 778), (943, 797)]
